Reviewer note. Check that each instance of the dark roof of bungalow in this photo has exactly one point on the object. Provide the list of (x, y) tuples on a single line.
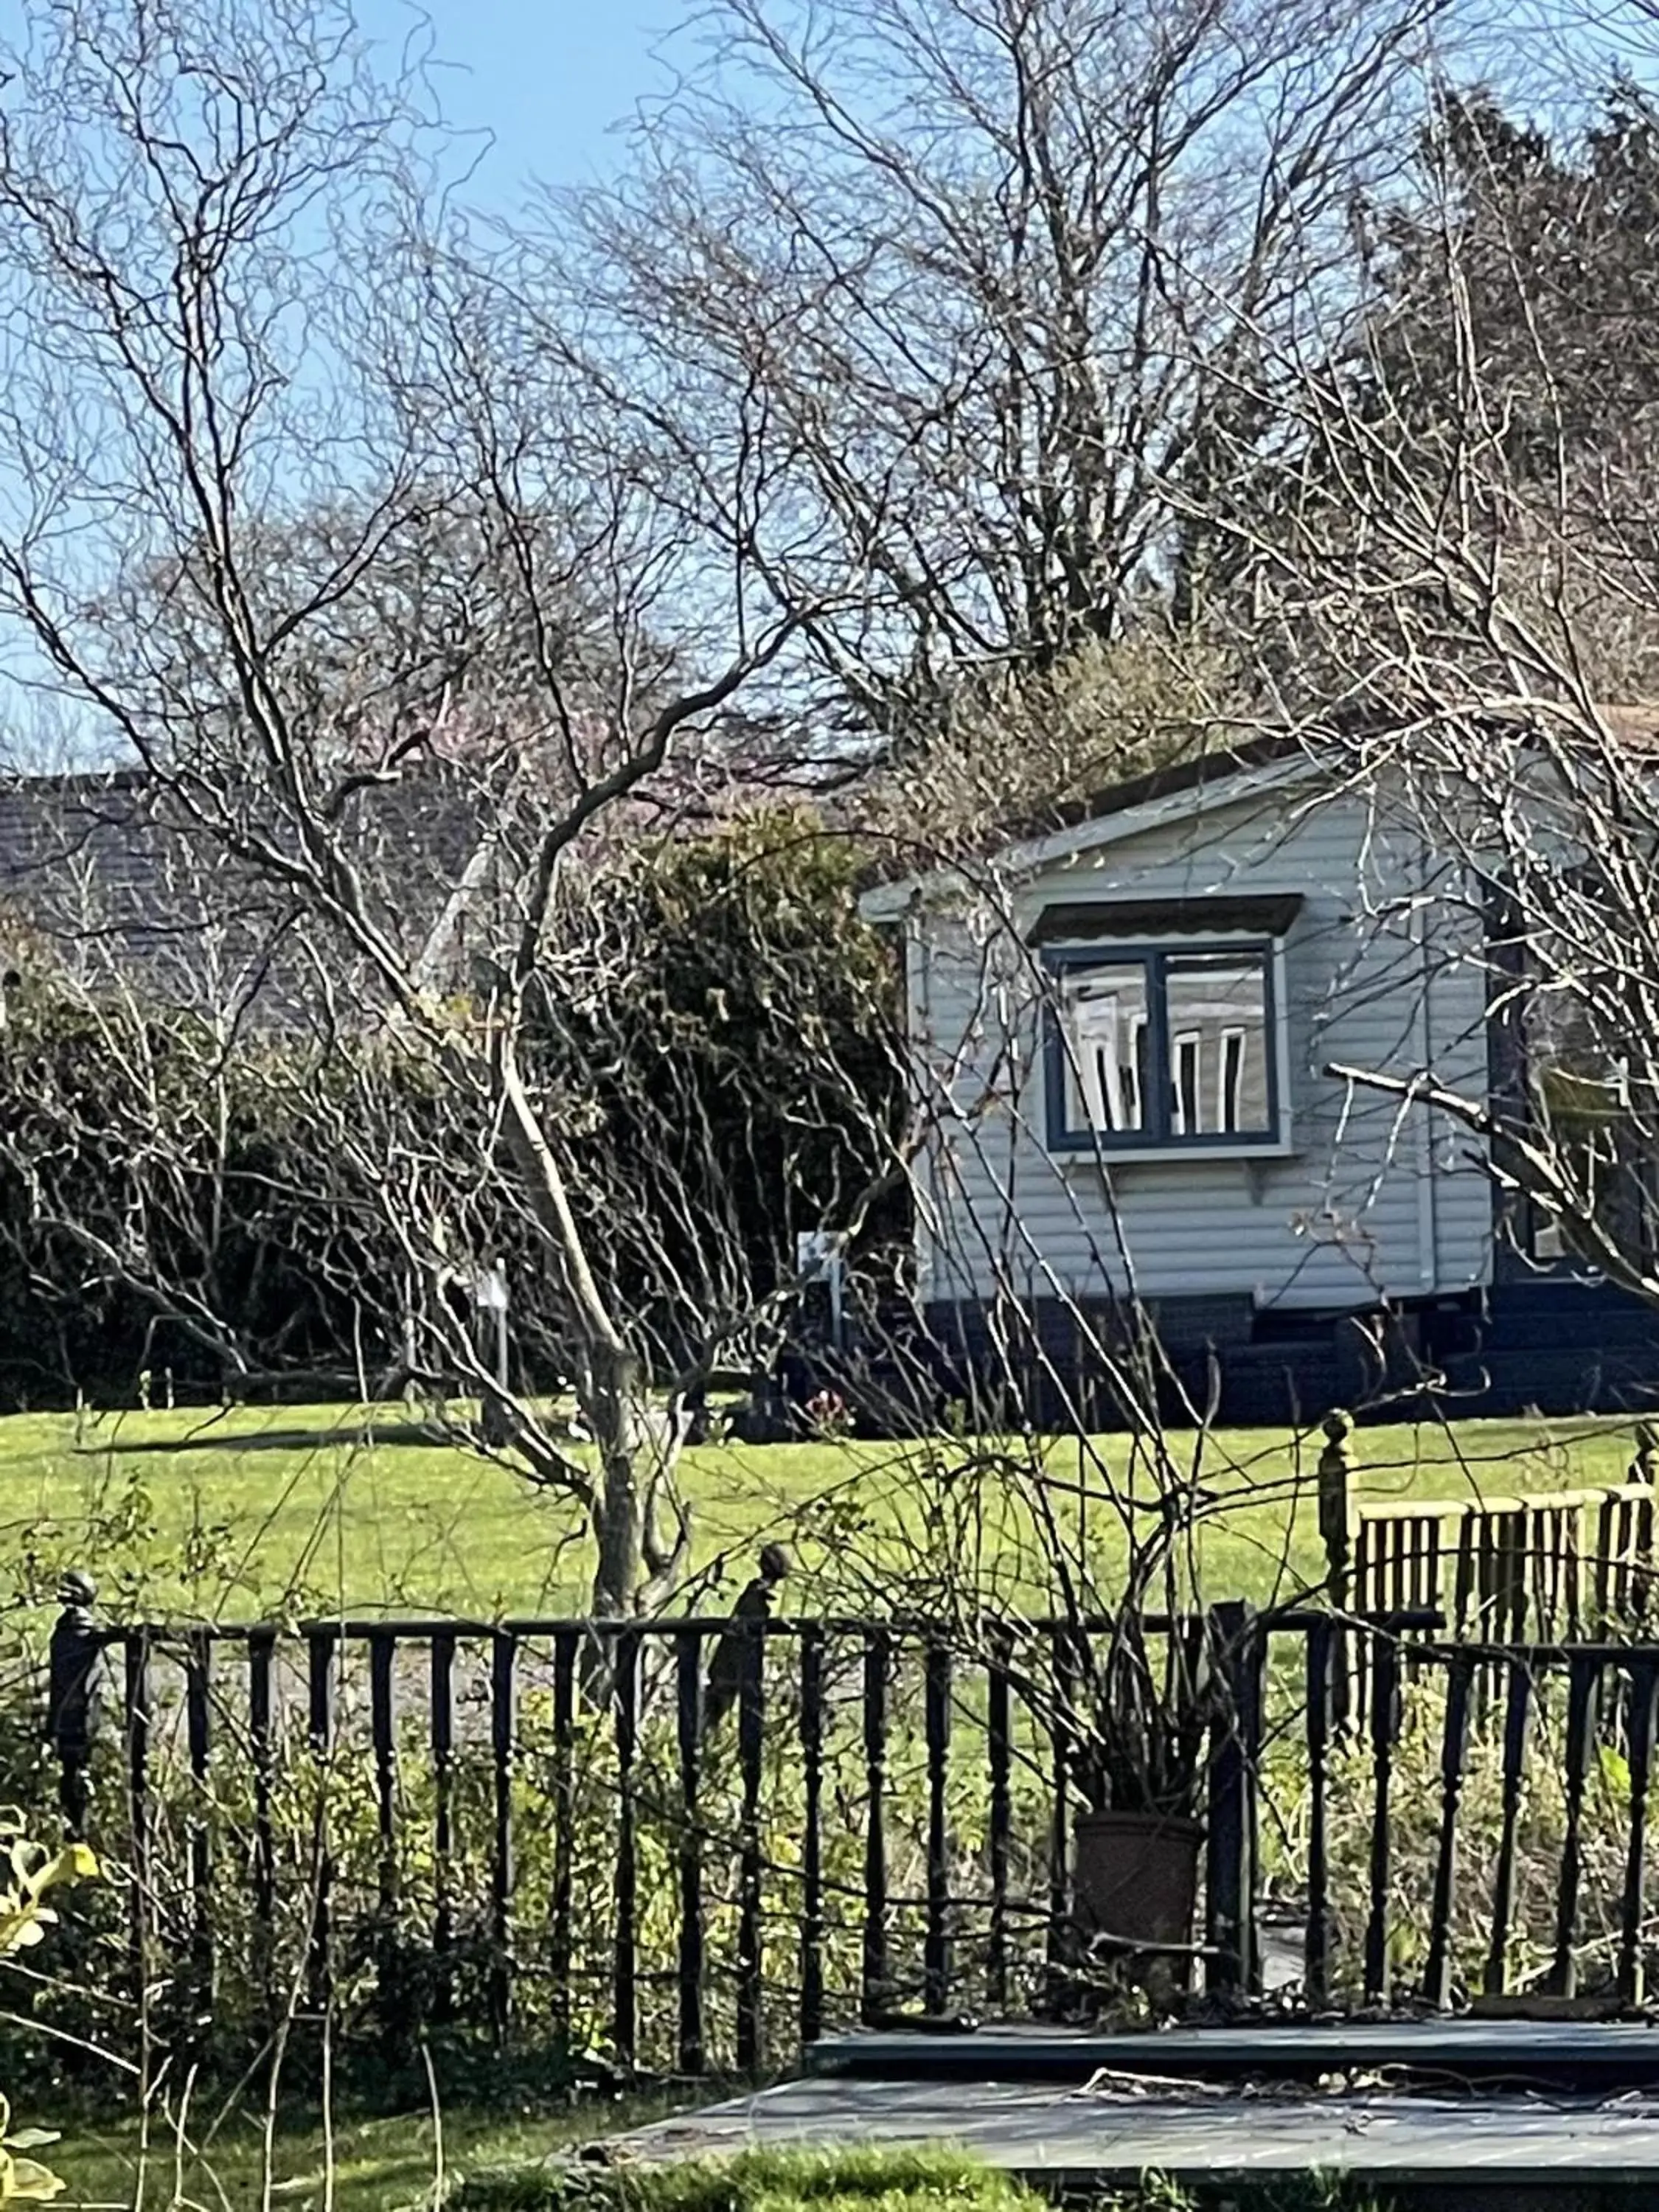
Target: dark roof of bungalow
[(111, 872), (117, 882)]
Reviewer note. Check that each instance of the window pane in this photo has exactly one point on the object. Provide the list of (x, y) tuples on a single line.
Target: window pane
[(1187, 1064), (1217, 1015), (1103, 1035)]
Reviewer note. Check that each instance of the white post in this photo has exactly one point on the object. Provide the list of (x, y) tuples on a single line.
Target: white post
[(816, 1255), (490, 1296)]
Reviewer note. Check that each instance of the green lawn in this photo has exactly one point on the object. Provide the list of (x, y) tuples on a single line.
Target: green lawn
[(359, 2166), (391, 2166), (222, 1514)]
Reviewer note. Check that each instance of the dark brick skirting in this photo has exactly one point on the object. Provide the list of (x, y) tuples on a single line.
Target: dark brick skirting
[(1555, 1347)]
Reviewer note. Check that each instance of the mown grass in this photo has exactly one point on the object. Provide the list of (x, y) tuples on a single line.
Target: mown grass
[(853, 2177), (238, 1514)]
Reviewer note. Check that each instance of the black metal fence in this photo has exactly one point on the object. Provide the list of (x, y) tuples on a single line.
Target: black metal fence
[(689, 1847)]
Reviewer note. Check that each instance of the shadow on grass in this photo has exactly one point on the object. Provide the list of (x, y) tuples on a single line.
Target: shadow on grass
[(231, 1443)]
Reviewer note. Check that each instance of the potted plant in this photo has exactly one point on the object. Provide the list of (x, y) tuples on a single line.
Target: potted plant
[(1137, 1712), (1060, 1562), (1131, 1680)]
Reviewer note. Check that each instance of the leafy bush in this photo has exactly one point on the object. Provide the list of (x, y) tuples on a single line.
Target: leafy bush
[(162, 1200), (726, 1074)]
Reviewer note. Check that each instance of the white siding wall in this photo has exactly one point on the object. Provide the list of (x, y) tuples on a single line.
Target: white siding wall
[(1373, 1200)]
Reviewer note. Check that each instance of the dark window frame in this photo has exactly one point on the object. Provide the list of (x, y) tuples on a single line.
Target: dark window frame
[(1159, 1135)]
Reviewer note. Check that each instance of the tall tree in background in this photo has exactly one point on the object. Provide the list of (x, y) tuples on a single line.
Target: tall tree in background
[(1546, 250), (1495, 356), (996, 274)]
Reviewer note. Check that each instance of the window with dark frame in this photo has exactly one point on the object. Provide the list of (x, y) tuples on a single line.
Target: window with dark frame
[(1161, 1046)]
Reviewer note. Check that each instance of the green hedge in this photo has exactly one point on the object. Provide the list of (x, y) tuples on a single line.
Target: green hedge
[(715, 1059)]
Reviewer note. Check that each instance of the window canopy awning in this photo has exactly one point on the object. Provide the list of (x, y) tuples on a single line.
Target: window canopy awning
[(1084, 919)]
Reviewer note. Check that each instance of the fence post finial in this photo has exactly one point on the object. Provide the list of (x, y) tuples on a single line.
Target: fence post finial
[(73, 1670), (1644, 1468), (1336, 1467), (753, 1609)]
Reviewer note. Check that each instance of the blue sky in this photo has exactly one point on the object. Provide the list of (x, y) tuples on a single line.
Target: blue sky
[(548, 78), (545, 80)]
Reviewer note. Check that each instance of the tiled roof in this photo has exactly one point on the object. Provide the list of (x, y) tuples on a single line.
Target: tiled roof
[(117, 883)]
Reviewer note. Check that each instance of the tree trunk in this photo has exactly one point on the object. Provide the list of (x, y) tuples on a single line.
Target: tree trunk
[(616, 1415), (632, 1565)]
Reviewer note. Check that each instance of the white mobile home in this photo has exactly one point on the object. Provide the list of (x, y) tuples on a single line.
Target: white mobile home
[(1142, 1040)]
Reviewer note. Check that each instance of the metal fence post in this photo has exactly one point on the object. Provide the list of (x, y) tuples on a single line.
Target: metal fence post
[(1237, 1641), (1336, 1467), (75, 1666)]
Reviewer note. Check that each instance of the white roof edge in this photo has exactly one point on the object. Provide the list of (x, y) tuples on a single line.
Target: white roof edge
[(890, 902)]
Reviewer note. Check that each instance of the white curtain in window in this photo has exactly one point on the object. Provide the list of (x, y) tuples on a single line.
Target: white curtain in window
[(1093, 1041)]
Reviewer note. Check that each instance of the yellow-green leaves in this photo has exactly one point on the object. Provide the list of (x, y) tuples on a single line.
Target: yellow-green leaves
[(29, 1871), (24, 2180)]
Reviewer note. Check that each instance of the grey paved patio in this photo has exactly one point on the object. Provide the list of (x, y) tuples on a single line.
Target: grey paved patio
[(1107, 2136)]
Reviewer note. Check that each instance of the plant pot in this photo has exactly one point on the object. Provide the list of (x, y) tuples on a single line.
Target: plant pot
[(1135, 1879)]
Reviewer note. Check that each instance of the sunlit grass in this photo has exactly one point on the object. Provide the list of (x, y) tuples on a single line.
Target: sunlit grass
[(374, 2165), (253, 1513)]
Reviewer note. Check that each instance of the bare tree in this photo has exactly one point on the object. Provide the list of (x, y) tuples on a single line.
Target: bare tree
[(996, 273), (232, 303), (369, 537)]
